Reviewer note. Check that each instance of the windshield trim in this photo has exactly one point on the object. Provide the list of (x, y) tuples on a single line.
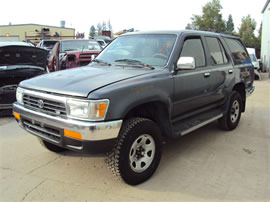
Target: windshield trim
[(172, 51)]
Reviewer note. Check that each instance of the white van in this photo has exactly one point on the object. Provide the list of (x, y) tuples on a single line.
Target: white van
[(255, 62), (252, 55)]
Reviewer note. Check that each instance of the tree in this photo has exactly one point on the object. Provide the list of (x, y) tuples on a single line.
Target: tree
[(109, 25), (230, 24), (99, 29), (189, 26), (211, 18), (104, 26), (92, 32), (246, 31)]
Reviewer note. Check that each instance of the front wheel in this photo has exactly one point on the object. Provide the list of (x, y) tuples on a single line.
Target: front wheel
[(232, 117), (137, 152)]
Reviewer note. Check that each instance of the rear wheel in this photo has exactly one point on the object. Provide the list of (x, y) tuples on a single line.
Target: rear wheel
[(51, 147), (232, 117), (137, 152)]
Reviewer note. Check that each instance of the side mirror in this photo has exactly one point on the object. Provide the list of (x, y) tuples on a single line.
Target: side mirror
[(186, 63), (93, 57)]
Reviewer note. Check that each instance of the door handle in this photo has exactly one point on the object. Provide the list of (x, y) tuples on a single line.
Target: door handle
[(206, 74), (230, 71)]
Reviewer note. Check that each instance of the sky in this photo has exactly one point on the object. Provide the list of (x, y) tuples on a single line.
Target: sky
[(123, 14)]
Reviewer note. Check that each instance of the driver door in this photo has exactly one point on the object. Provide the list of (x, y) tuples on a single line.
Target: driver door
[(192, 87)]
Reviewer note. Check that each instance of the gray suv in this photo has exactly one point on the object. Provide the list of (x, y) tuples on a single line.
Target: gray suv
[(142, 87)]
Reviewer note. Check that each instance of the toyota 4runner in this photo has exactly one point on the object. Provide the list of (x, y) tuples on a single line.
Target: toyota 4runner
[(142, 87)]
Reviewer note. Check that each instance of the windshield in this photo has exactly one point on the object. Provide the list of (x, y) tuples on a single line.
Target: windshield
[(151, 49), (49, 44), (79, 45), (253, 57)]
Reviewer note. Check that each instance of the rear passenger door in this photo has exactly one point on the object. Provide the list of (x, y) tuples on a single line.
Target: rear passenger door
[(222, 69)]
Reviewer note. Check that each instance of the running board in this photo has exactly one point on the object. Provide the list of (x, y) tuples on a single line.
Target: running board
[(186, 126), (200, 125)]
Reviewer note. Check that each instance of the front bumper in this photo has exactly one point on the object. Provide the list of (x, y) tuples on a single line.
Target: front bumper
[(51, 129)]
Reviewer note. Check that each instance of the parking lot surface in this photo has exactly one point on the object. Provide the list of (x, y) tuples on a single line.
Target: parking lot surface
[(207, 165)]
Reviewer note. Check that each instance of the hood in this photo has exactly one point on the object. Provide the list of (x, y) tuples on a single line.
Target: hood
[(23, 55), (82, 80)]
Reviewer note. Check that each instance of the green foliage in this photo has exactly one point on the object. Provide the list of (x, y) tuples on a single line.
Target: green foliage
[(92, 32), (230, 24), (246, 31), (189, 26), (109, 25), (211, 18), (99, 28)]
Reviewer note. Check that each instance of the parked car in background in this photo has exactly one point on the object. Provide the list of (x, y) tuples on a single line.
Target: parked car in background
[(72, 53), (18, 61), (255, 62), (47, 44), (103, 43), (103, 40)]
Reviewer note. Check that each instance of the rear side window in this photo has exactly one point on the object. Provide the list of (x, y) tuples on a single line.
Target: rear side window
[(239, 54), (217, 52), (194, 48)]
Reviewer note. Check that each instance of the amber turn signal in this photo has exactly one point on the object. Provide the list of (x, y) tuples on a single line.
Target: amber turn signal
[(17, 115), (72, 134)]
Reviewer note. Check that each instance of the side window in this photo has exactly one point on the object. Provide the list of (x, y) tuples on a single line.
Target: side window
[(194, 48), (239, 54), (217, 52)]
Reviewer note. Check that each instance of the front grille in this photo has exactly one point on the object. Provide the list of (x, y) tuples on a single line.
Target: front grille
[(85, 56), (42, 130), (44, 105), (84, 63)]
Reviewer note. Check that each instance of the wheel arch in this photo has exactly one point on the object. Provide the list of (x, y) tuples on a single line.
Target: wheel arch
[(156, 111), (240, 88)]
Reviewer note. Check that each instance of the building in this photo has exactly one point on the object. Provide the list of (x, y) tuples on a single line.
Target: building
[(265, 43), (34, 32)]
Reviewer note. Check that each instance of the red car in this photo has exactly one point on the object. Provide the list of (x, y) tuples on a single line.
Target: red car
[(72, 53)]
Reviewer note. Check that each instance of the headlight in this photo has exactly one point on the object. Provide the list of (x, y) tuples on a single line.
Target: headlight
[(19, 95), (87, 109)]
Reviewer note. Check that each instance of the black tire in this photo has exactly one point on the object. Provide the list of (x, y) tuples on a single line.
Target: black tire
[(146, 157), (232, 117), (51, 147)]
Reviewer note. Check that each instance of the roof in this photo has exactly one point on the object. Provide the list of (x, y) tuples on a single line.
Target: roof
[(179, 32), (265, 6), (36, 25)]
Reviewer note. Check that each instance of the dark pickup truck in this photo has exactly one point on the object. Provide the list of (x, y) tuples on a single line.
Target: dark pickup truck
[(142, 87)]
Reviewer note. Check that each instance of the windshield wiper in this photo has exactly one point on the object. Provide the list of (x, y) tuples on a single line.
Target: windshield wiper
[(136, 62), (101, 62)]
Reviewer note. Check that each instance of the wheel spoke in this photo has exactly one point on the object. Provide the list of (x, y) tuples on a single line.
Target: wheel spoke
[(235, 110), (142, 153)]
